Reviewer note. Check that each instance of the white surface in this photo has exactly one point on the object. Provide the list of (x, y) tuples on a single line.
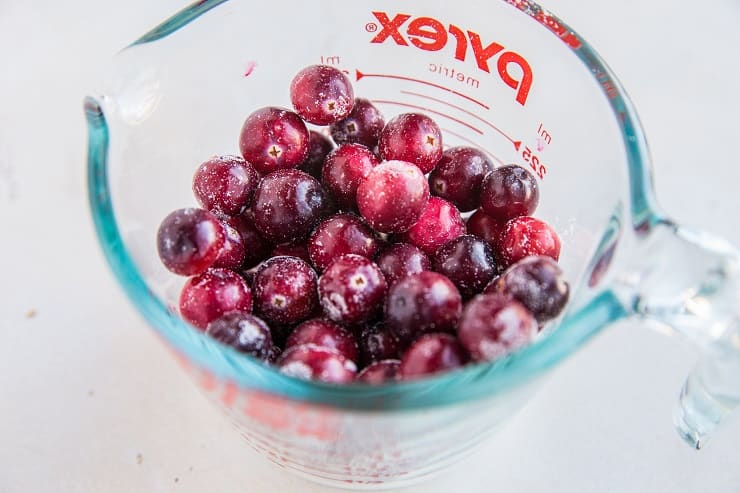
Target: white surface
[(85, 386)]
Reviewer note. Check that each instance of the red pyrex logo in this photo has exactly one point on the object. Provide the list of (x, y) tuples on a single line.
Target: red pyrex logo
[(429, 34)]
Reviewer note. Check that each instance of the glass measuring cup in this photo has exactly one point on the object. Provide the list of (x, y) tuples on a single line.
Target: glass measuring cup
[(505, 76)]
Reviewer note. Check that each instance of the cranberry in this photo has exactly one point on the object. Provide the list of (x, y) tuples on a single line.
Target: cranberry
[(244, 332), (351, 289), (233, 252), (401, 259), (287, 205), (256, 248), (321, 94), (509, 191), (225, 184), (344, 169), (299, 250), (485, 227), (324, 333), (380, 372), (458, 177), (413, 138), (206, 297), (362, 126), (439, 223), (318, 148), (189, 241), (285, 290), (376, 343), (468, 262), (432, 353), (525, 236), (274, 138), (339, 235), (311, 362), (422, 303), (393, 196)]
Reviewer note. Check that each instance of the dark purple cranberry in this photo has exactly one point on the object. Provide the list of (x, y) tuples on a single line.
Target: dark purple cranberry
[(509, 191), (287, 205), (274, 138), (299, 250), (430, 354), (244, 332), (459, 175), (285, 290), (189, 241), (422, 303), (440, 222), (256, 248), (321, 94), (376, 343), (318, 148), (393, 196), (362, 126), (225, 184), (324, 333), (401, 259), (413, 138), (468, 262), (339, 235), (351, 289), (526, 236), (233, 253), (484, 227), (494, 325), (311, 362), (344, 169), (206, 297), (380, 372)]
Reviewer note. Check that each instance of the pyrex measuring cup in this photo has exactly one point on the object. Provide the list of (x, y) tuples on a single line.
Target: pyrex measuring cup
[(505, 76)]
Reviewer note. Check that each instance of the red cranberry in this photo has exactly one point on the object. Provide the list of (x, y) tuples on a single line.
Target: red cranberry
[(189, 241), (285, 290), (432, 353), (413, 138), (244, 332), (321, 94), (339, 235), (318, 148), (468, 262), (206, 297), (401, 259), (256, 248), (362, 126), (439, 223), (509, 191), (324, 333), (377, 343), (525, 236), (380, 372), (344, 168), (351, 290), (459, 175), (287, 205), (225, 184), (311, 362), (422, 303), (233, 252), (299, 250), (393, 196), (485, 227), (274, 138)]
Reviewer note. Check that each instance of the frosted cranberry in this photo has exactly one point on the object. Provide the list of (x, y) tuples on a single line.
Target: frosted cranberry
[(311, 362), (362, 126), (393, 196), (233, 253), (413, 138), (274, 138), (244, 332), (509, 191), (256, 248), (493, 325), (525, 236), (189, 241), (225, 184), (351, 289), (324, 333), (468, 262), (458, 177), (401, 259), (285, 290), (377, 343), (380, 372), (206, 297), (344, 169), (288, 205), (439, 223), (430, 354), (422, 303), (321, 94), (299, 250), (339, 235), (318, 148), (484, 227)]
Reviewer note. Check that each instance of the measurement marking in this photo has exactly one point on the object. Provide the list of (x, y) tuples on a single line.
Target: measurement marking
[(399, 103), (360, 75), (474, 144)]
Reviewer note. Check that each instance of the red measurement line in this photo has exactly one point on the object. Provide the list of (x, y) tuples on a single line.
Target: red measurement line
[(399, 103), (360, 75), (474, 144), (460, 109)]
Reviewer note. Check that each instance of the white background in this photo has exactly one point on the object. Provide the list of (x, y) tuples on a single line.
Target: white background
[(85, 387)]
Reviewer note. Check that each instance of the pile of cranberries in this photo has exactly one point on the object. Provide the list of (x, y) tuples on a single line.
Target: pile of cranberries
[(354, 263)]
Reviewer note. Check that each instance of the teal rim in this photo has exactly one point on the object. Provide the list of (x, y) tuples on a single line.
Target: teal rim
[(471, 382)]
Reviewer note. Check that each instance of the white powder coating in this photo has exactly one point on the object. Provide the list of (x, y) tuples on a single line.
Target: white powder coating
[(297, 369), (334, 305)]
